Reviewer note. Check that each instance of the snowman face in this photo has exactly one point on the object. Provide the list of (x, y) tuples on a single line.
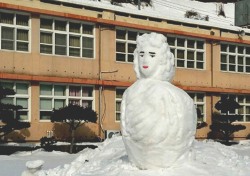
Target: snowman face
[(149, 61)]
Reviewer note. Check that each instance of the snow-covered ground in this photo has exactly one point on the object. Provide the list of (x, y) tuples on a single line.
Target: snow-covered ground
[(110, 159)]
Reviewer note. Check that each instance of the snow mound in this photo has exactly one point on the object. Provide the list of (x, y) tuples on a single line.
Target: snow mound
[(110, 159)]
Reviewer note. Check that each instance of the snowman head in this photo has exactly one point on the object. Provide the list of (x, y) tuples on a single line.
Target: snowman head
[(152, 58)]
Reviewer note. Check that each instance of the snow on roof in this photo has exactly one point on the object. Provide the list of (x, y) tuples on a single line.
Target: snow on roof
[(173, 10)]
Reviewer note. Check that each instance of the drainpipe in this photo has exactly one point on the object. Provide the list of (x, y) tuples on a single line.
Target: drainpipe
[(100, 85)]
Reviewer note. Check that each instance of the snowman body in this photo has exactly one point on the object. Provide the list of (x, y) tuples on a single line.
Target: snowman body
[(159, 124), (158, 120)]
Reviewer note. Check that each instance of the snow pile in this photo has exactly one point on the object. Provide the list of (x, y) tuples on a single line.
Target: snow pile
[(173, 10), (158, 120), (110, 159)]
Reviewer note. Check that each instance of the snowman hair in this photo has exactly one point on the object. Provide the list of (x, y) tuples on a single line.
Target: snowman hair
[(156, 40)]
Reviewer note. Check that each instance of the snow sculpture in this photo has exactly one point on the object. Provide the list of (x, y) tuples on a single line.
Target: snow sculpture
[(158, 120)]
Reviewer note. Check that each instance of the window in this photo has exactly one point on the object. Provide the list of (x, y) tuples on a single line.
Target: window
[(244, 110), (199, 101), (235, 58), (53, 96), (66, 38), (189, 53), (118, 100), (125, 44), (14, 30), (22, 98)]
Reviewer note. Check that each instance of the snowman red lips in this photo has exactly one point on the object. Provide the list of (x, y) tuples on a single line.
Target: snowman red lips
[(145, 66)]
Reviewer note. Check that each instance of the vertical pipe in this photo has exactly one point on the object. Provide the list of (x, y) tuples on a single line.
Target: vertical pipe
[(100, 86)]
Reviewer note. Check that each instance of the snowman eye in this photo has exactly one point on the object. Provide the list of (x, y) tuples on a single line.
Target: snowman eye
[(141, 54), (152, 54)]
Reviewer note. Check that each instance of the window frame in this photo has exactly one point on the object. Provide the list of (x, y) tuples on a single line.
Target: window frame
[(236, 54), (67, 98), (244, 104), (197, 103), (118, 100), (68, 34), (127, 42), (16, 27), (21, 96), (175, 48)]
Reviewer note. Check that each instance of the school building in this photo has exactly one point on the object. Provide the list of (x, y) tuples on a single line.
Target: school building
[(53, 53)]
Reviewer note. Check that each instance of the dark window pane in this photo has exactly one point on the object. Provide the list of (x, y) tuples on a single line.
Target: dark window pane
[(60, 50), (87, 42), (120, 34), (180, 54), (190, 55), (131, 48), (61, 39), (240, 60), (223, 47), (74, 27), (247, 50), (232, 48), (9, 45), (130, 57), (45, 115), (180, 63), (180, 42), (22, 35), (22, 20), (46, 38), (247, 60), (7, 18), (87, 29), (232, 59), (200, 45), (190, 64), (171, 41), (199, 65), (190, 43), (240, 49), (248, 69), (88, 53), (46, 23), (120, 57), (87, 91), (200, 56), (231, 67), (223, 67), (223, 58), (240, 69), (60, 25), (46, 49), (22, 46), (74, 52), (74, 41), (132, 35), (7, 33), (120, 47)]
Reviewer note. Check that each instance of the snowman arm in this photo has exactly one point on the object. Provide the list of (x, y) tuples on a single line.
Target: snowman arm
[(123, 110)]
